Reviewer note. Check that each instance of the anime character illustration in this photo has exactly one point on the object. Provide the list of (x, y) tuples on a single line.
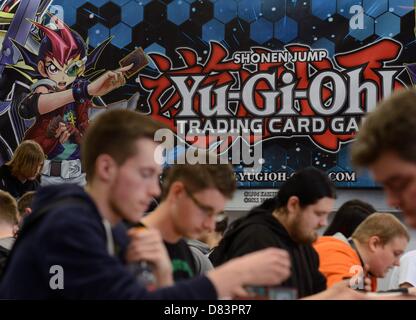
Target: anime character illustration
[(15, 16), (60, 98)]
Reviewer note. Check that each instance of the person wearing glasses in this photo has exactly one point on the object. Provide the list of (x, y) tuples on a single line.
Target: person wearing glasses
[(192, 198), (60, 98), (69, 241)]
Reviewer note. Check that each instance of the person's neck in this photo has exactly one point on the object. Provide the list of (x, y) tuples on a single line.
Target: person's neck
[(283, 218), (6, 231), (160, 219), (21, 179), (100, 196), (361, 250)]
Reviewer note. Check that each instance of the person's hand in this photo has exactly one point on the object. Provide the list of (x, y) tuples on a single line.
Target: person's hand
[(109, 81), (264, 267), (361, 280), (412, 291), (147, 245), (367, 279), (339, 291)]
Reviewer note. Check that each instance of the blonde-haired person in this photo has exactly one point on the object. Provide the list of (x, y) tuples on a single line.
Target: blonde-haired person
[(20, 174), (374, 248)]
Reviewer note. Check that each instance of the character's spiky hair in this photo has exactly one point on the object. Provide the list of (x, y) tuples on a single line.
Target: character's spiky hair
[(62, 44)]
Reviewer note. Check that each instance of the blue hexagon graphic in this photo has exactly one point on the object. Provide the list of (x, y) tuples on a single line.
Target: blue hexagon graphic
[(344, 6), (323, 8), (98, 3), (142, 2), (120, 2), (213, 30), (401, 7), (132, 13), (122, 35), (261, 30), (225, 10), (286, 29), (70, 16), (154, 47), (178, 11), (374, 8), (387, 25), (324, 43), (272, 10), (249, 10), (97, 34), (368, 30)]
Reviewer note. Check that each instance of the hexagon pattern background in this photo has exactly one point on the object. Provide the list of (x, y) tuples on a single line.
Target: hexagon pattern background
[(164, 25), (236, 23)]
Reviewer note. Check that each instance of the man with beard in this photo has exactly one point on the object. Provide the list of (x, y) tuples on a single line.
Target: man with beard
[(289, 221)]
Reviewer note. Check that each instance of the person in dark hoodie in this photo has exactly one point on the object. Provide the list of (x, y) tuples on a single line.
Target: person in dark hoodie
[(66, 248), (289, 221)]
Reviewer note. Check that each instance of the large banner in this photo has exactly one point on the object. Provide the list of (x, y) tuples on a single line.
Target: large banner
[(273, 85)]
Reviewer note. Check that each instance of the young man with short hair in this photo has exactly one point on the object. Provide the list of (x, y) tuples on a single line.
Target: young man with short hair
[(192, 197), (71, 229), (373, 249)]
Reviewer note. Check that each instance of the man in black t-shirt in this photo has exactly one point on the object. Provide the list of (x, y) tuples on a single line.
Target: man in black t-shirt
[(193, 195)]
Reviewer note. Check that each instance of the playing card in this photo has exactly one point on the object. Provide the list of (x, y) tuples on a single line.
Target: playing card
[(139, 60)]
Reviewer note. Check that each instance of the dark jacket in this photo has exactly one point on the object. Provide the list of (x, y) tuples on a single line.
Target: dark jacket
[(73, 236), (14, 186), (260, 230)]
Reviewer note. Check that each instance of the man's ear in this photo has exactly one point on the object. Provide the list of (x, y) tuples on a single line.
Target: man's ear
[(41, 69), (293, 204), (373, 243), (105, 168), (175, 189)]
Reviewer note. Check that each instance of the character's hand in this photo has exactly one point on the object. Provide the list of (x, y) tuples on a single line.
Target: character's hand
[(62, 133), (74, 133), (53, 127), (108, 81)]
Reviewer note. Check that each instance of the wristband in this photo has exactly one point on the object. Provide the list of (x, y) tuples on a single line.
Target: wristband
[(80, 91)]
